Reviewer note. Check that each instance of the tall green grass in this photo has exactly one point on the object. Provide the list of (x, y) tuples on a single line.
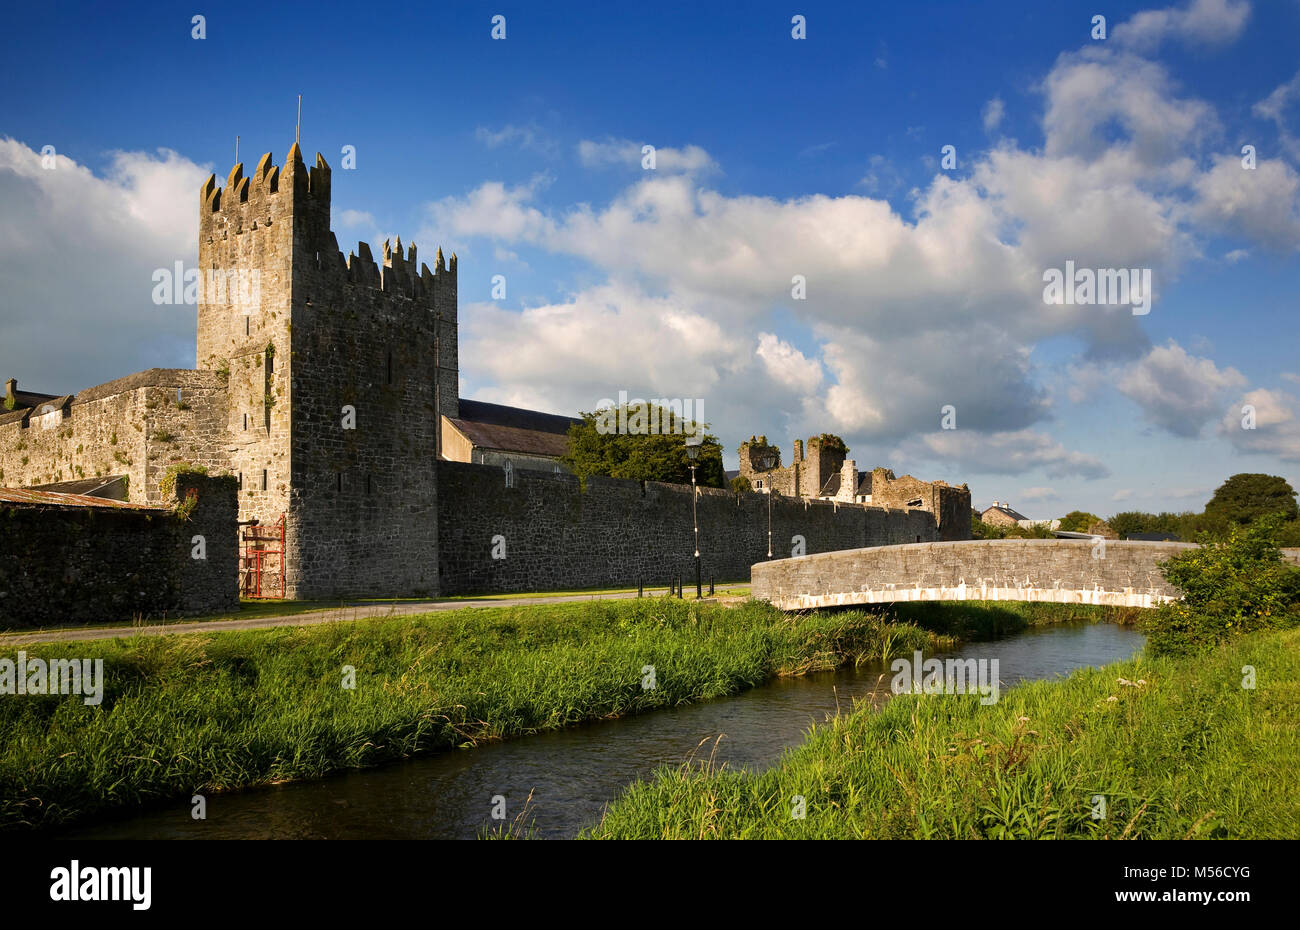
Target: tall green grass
[(216, 711), (1177, 747)]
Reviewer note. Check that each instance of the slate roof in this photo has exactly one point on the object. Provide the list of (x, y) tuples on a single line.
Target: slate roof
[(832, 486), (477, 411), (24, 401), (1010, 512), (31, 398), (511, 439), (513, 429)]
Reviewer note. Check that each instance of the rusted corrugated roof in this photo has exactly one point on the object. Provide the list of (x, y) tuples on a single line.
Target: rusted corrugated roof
[(31, 497)]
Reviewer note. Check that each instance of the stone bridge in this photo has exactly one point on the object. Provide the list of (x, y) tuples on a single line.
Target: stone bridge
[(1060, 571)]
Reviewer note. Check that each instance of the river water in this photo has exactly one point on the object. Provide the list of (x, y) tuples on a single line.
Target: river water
[(574, 773)]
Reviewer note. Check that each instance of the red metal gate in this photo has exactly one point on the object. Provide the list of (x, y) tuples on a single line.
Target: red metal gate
[(261, 569)]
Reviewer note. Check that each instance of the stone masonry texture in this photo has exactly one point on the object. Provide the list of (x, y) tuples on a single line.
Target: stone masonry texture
[(558, 535), (1071, 571), (319, 386), (89, 564)]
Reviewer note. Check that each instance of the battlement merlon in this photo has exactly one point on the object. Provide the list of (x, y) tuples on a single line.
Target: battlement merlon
[(262, 187), (256, 201)]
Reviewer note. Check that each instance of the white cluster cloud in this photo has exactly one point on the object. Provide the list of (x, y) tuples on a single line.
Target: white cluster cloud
[(905, 312), (1274, 107), (1262, 204), (1177, 391), (1276, 425), (1039, 495), (567, 357), (943, 307), (787, 364), (1012, 452), (626, 153), (1202, 22), (993, 113), (63, 227)]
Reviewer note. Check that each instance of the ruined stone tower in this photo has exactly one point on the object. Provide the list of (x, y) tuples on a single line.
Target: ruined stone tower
[(338, 371), (819, 463)]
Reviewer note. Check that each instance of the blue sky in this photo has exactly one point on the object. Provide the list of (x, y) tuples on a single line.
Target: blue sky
[(776, 157)]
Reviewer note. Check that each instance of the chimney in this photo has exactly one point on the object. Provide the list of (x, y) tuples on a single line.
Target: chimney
[(11, 397)]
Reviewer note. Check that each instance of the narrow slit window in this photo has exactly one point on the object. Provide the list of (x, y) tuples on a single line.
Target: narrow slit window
[(263, 479), (338, 481), (390, 367)]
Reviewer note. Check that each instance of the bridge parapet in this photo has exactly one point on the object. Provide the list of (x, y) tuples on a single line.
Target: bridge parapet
[(1062, 571)]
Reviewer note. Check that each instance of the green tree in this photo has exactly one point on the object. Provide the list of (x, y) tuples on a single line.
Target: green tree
[(740, 484), (833, 445), (1246, 497), (1078, 521), (1129, 522), (597, 447), (1187, 526)]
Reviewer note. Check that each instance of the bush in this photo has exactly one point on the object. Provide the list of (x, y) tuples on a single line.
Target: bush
[(1230, 587)]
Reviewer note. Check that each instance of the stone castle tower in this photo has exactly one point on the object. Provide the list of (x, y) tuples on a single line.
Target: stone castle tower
[(337, 371), (817, 465), (806, 475)]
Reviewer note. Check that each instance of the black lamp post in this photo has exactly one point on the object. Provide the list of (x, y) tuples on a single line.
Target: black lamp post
[(767, 461), (692, 453)]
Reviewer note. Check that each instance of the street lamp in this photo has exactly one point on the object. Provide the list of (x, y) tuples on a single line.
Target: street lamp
[(766, 462), (693, 452)]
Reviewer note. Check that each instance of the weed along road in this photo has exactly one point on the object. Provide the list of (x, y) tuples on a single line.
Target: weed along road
[(361, 611)]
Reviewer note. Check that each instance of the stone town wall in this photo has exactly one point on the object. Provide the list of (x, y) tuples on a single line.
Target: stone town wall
[(555, 535), (134, 426), (951, 505), (81, 564)]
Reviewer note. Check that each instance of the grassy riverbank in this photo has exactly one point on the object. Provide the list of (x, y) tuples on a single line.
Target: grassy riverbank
[(1181, 750), (204, 712)]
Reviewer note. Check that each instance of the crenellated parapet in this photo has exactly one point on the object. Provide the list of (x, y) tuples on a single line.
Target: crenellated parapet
[(297, 199), (266, 196), (397, 272)]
